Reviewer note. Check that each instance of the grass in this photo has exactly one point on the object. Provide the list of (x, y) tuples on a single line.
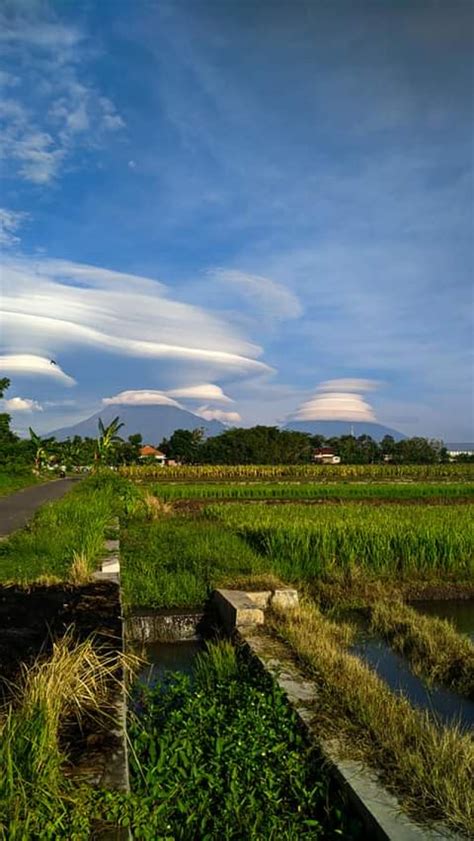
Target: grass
[(430, 767), (305, 472), (36, 800), (220, 756), (176, 561), (303, 542), (432, 646), (445, 492), (11, 482), (61, 535)]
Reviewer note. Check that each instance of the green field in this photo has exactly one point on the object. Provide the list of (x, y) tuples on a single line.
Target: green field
[(303, 542), (444, 492)]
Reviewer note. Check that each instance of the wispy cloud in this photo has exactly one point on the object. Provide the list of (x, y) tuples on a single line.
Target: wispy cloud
[(269, 297), (41, 133), (10, 222), (19, 364)]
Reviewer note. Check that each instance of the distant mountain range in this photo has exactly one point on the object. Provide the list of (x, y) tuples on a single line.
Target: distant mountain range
[(153, 423), (334, 429)]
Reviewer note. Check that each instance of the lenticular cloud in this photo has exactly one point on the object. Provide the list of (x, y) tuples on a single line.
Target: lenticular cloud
[(338, 400)]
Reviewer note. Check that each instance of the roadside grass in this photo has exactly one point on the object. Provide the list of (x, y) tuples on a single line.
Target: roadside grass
[(59, 533), (429, 766), (15, 481), (334, 492), (36, 799), (304, 543), (176, 561), (434, 649)]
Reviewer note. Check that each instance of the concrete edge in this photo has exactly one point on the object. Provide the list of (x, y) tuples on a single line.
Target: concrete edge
[(380, 811)]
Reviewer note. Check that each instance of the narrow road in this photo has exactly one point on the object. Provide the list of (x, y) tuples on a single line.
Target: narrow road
[(18, 508)]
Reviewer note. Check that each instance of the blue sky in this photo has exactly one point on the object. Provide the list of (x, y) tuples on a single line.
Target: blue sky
[(266, 203)]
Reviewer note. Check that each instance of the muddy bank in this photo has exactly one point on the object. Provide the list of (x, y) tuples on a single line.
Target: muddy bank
[(196, 505), (31, 617)]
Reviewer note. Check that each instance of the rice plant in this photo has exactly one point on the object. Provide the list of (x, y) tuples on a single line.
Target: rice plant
[(304, 542)]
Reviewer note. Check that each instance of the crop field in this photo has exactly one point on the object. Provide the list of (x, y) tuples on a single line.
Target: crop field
[(444, 492), (302, 542), (305, 472)]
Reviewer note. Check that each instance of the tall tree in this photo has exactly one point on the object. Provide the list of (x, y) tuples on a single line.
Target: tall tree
[(108, 439)]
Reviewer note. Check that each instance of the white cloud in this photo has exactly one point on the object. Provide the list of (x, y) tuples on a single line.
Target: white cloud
[(350, 384), (205, 391), (47, 305), (271, 298), (141, 397), (21, 404), (10, 222), (132, 164), (218, 414), (338, 400), (335, 406), (28, 364)]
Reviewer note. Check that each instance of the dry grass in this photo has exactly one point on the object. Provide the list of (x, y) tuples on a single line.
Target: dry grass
[(431, 645), (75, 680), (155, 507), (80, 571), (429, 767)]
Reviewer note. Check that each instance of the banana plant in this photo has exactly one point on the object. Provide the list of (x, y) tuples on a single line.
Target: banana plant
[(41, 454), (108, 439)]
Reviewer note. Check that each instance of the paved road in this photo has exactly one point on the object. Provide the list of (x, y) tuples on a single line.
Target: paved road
[(18, 508)]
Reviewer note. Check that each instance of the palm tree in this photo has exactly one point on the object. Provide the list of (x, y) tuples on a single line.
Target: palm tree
[(108, 438)]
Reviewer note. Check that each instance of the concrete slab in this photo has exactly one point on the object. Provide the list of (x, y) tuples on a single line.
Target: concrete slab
[(236, 610)]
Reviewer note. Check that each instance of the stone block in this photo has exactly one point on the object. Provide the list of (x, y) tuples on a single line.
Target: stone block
[(261, 599), (284, 599), (236, 610)]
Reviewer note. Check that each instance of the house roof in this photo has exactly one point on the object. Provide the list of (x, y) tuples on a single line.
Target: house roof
[(324, 451), (148, 450)]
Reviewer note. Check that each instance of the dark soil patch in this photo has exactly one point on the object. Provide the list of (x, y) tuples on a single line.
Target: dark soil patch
[(30, 618), (195, 505)]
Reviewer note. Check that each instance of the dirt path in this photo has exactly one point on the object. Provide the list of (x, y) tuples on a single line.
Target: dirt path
[(18, 508)]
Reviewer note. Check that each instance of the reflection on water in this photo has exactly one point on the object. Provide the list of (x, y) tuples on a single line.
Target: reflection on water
[(165, 657), (459, 611), (445, 706)]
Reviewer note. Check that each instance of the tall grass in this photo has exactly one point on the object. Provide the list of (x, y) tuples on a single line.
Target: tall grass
[(61, 531), (432, 646), (169, 492), (312, 472), (304, 542), (175, 561), (36, 801), (429, 766), (11, 481)]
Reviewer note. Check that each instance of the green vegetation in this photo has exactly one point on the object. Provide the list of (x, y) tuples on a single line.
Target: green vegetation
[(221, 756), (432, 646), (36, 799), (15, 481), (176, 561), (62, 534), (429, 766), (301, 472), (304, 542), (310, 490)]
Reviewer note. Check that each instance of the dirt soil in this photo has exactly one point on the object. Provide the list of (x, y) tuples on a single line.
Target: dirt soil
[(194, 505), (31, 617)]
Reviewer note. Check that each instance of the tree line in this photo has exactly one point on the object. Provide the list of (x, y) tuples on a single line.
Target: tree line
[(256, 445)]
